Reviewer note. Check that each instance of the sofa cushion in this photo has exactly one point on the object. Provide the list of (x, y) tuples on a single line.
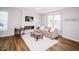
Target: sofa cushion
[(52, 30), (42, 28)]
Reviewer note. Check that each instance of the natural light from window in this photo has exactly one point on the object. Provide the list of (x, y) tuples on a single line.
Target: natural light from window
[(55, 21), (3, 20), (50, 21)]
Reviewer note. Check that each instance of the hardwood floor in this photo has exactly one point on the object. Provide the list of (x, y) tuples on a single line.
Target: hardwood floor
[(65, 45), (13, 43)]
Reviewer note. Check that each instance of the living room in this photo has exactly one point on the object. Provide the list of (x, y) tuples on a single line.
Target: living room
[(53, 23)]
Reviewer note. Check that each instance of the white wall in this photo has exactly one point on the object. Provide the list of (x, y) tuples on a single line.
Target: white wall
[(68, 29), (36, 20), (14, 20), (71, 28), (43, 19)]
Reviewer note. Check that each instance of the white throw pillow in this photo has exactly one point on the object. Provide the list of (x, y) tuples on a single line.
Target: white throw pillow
[(42, 27), (56, 31), (52, 30)]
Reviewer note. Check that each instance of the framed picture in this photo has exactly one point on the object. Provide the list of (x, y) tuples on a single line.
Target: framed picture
[(29, 18)]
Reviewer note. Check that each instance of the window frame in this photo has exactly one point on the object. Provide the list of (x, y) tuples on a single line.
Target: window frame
[(4, 20), (54, 20)]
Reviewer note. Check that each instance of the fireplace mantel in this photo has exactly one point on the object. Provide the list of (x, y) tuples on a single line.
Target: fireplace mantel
[(28, 27)]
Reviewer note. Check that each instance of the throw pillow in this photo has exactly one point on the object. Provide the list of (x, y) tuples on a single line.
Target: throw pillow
[(42, 27), (52, 29)]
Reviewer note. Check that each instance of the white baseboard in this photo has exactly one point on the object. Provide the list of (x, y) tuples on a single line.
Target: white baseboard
[(71, 38), (6, 35)]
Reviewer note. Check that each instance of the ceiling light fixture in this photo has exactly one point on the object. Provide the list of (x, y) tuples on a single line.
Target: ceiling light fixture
[(37, 8)]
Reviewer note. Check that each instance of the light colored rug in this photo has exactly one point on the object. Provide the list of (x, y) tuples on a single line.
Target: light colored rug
[(40, 45)]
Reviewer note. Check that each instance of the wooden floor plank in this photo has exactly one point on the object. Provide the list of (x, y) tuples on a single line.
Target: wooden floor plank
[(13, 43), (65, 45)]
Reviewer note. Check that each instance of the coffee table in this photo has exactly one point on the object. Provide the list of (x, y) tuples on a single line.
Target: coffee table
[(37, 35)]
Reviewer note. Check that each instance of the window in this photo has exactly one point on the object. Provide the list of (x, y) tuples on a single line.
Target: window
[(55, 21), (3, 20), (50, 21)]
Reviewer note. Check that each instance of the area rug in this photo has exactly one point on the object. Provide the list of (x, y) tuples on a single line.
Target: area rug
[(40, 45)]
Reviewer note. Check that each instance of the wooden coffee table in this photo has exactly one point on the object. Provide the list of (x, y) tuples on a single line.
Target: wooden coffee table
[(37, 35)]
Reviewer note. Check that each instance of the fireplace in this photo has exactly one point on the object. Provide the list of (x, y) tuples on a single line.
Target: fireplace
[(28, 27)]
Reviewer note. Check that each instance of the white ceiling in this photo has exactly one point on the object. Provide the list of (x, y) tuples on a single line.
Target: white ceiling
[(42, 10)]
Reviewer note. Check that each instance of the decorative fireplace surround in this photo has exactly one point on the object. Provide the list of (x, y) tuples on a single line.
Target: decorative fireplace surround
[(28, 27)]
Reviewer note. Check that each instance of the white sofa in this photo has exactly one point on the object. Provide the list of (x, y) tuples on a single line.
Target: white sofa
[(49, 32)]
